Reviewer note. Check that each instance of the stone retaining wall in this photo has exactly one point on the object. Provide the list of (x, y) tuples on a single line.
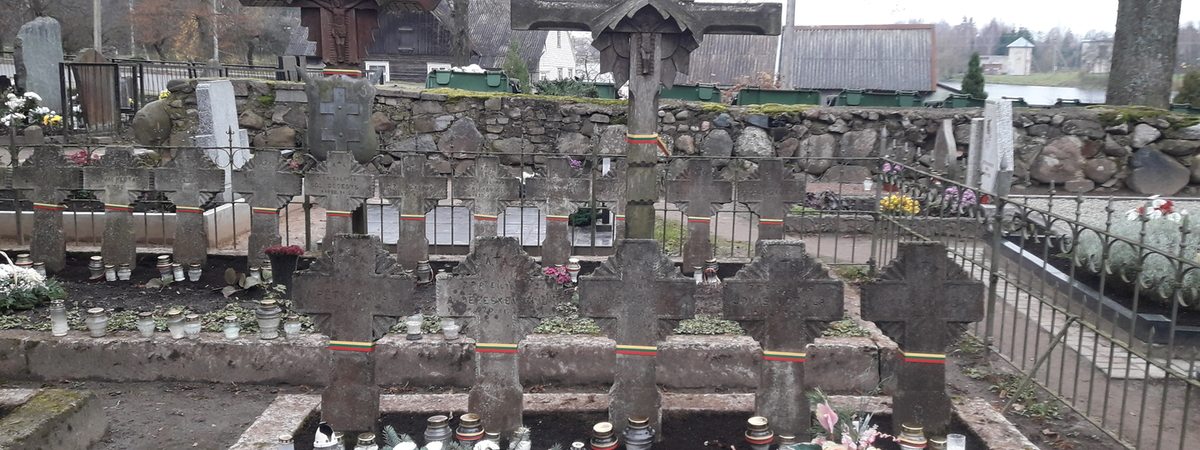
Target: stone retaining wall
[(1097, 148)]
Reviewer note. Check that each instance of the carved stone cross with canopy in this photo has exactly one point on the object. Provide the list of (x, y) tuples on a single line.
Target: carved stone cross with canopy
[(267, 186), (190, 180), (786, 297), (563, 192), (119, 179), (771, 196), (702, 194), (340, 185), (411, 186), (45, 177), (646, 42), (486, 187), (923, 301)]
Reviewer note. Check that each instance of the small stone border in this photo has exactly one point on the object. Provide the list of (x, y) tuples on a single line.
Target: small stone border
[(52, 418)]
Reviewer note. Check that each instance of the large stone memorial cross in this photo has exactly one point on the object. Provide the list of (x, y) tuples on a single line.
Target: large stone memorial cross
[(119, 179), (267, 186), (639, 288), (485, 187), (495, 287), (339, 111), (340, 185), (562, 191), (190, 180), (355, 291), (771, 196), (787, 297), (700, 195), (45, 177), (922, 301), (410, 185)]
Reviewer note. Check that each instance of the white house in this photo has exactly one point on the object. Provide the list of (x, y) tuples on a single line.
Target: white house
[(1020, 57), (558, 57)]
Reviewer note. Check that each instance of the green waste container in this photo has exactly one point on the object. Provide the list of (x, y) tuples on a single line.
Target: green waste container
[(859, 97), (490, 81), (605, 90), (760, 96), (1070, 102), (1017, 102), (692, 93), (963, 101)]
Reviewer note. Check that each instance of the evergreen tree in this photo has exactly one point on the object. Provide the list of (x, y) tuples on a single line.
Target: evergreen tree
[(973, 82), (1189, 93), (514, 66)]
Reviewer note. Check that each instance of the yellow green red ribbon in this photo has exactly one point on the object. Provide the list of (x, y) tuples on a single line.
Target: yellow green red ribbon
[(351, 346), (637, 350), (495, 348)]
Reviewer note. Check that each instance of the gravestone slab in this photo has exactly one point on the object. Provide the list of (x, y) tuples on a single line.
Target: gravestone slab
[(218, 133), (771, 195), (41, 52), (699, 195), (974, 150), (267, 185), (97, 91), (996, 158), (415, 189), (485, 187), (563, 190), (923, 301), (340, 185), (339, 117), (633, 292), (945, 150), (609, 188), (45, 178), (785, 297), (495, 288), (355, 291), (118, 179), (190, 180)]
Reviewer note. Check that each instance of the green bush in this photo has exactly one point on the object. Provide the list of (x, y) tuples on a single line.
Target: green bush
[(973, 82), (566, 87), (1189, 92)]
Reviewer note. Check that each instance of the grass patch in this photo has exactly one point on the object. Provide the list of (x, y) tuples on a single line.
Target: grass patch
[(970, 345), (1025, 402), (458, 94), (845, 328), (568, 322), (1059, 79), (672, 233), (852, 274), (704, 325), (267, 100)]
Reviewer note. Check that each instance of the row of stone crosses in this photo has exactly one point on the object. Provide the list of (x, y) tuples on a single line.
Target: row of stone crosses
[(340, 185), (356, 289)]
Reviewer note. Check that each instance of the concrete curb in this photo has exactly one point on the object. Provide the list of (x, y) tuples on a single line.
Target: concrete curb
[(55, 419)]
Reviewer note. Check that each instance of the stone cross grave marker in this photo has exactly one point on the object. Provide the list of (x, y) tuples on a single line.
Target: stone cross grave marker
[(46, 177), (339, 111), (771, 196), (411, 186), (996, 158), (340, 185), (218, 133), (563, 190), (974, 148), (945, 151), (267, 186), (41, 52), (485, 187), (118, 179), (190, 180), (639, 288), (645, 42), (699, 195), (355, 291), (787, 297), (495, 287), (610, 189), (922, 301)]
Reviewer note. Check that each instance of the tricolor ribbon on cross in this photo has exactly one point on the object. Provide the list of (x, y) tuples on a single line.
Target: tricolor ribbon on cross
[(698, 219), (486, 217), (258, 210), (332, 213), (783, 356), (117, 207), (189, 209), (483, 347), (351, 346), (648, 139), (557, 218), (420, 217), (642, 350), (926, 358), (49, 207), (770, 221)]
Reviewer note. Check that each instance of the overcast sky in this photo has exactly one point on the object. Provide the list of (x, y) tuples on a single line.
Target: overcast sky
[(1037, 15)]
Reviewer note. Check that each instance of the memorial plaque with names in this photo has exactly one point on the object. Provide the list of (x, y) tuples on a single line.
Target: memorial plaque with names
[(340, 185), (996, 158), (486, 187), (117, 179), (785, 298), (414, 189), (354, 292), (339, 112), (45, 179), (923, 301), (771, 195), (268, 185), (699, 195), (563, 190), (496, 287), (190, 180), (641, 289)]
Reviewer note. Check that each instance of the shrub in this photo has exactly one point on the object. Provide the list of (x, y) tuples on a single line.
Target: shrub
[(566, 87), (973, 82)]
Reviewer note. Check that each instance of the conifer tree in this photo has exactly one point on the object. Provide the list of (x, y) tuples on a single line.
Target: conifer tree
[(973, 82)]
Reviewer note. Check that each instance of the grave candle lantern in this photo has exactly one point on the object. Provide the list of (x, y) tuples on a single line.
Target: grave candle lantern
[(602, 437), (438, 430), (937, 443), (177, 273), (573, 269), (96, 266), (40, 268), (366, 441), (175, 323), (698, 273), (450, 331), (491, 441), (194, 272), (145, 324), (638, 435), (124, 272), (256, 273), (286, 443), (231, 327), (268, 274), (912, 437), (23, 261), (758, 433), (268, 319), (191, 326), (291, 327), (110, 272), (424, 272), (710, 272), (58, 318), (469, 430), (164, 266), (97, 322)]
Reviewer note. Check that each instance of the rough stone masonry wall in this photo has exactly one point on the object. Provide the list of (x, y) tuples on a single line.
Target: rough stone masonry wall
[(1087, 149)]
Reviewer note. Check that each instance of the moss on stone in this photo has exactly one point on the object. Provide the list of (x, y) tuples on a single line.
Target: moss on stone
[(774, 109), (267, 100), (458, 94), (1110, 116), (718, 108), (45, 406)]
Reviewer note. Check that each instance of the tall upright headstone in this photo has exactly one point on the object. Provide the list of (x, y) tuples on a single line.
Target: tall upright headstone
[(996, 158), (118, 179), (45, 178), (339, 111), (267, 186), (785, 297), (414, 189), (190, 180), (340, 185), (486, 187), (974, 150), (923, 301), (563, 190), (355, 292), (771, 195), (945, 150), (218, 133), (494, 288), (700, 195), (40, 41)]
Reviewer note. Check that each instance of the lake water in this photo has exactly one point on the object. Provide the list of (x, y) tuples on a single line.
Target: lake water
[(1038, 95)]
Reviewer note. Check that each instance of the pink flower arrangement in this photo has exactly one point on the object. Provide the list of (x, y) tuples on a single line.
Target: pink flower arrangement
[(559, 274), (845, 435), (84, 158), (289, 250)]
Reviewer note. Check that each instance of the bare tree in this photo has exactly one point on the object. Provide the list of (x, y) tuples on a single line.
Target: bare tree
[(1144, 51)]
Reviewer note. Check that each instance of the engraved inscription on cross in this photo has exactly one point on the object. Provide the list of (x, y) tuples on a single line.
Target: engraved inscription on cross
[(45, 177), (562, 190), (267, 186), (190, 179), (343, 137), (699, 196), (486, 186), (496, 287), (414, 190), (923, 301), (787, 297), (771, 196), (355, 291), (340, 185), (639, 288), (120, 179)]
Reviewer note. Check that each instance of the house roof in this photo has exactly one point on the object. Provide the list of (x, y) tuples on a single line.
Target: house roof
[(728, 59), (884, 57), (1021, 43), (489, 29)]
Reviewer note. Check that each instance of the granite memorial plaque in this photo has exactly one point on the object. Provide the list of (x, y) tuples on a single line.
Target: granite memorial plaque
[(996, 157), (339, 111), (414, 189), (267, 185), (190, 180), (771, 195), (45, 178), (117, 180), (699, 195)]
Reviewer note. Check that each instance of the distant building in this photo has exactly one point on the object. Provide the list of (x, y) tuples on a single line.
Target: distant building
[(1097, 56), (994, 64), (558, 57), (1020, 57), (727, 59)]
